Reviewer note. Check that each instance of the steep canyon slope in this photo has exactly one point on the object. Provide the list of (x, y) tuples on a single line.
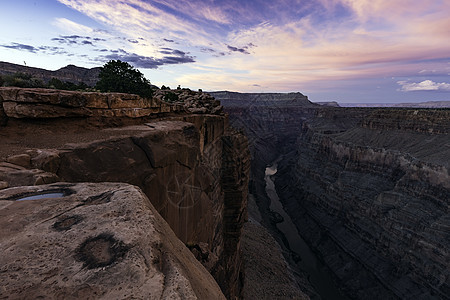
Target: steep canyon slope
[(367, 188), (191, 167)]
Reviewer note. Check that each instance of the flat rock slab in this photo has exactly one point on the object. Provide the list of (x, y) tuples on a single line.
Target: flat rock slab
[(93, 241)]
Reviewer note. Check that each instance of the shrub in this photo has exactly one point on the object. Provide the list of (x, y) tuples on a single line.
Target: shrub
[(170, 97), (118, 76), (22, 80), (55, 83)]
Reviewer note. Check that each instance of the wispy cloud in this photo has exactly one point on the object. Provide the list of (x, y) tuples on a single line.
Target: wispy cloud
[(236, 49), (71, 26), (18, 46), (138, 18), (298, 41), (147, 62), (33, 49), (78, 40), (426, 85)]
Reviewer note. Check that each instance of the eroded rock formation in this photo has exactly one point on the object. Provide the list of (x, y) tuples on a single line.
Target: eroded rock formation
[(368, 189), (374, 199), (192, 167)]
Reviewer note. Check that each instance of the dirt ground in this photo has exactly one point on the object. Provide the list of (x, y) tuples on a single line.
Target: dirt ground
[(19, 136)]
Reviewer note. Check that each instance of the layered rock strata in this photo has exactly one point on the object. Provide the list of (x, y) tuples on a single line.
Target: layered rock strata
[(48, 103), (374, 200), (93, 241), (193, 169), (368, 189), (272, 129)]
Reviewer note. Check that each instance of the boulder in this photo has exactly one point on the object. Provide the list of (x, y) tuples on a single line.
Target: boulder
[(93, 241), (23, 160)]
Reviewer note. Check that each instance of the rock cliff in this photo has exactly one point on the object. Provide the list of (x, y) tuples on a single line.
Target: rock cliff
[(368, 189), (373, 200), (192, 167)]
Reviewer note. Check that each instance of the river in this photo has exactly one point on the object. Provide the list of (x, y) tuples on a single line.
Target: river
[(318, 275)]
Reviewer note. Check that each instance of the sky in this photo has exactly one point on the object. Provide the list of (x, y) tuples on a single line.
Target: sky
[(354, 51)]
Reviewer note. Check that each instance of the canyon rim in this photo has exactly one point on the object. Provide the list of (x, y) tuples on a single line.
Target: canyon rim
[(115, 196)]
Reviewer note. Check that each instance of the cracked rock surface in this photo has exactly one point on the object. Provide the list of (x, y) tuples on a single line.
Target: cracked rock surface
[(93, 241)]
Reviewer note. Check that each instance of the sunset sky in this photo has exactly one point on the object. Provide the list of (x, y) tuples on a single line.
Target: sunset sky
[(367, 51)]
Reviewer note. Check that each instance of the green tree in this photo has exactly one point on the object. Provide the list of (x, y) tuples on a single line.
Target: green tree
[(119, 76)]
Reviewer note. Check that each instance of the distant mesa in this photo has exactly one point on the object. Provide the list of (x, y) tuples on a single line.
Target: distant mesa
[(329, 103), (235, 99), (68, 73), (427, 104)]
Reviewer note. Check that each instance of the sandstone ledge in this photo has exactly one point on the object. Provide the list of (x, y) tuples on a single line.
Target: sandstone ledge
[(38, 103), (95, 241)]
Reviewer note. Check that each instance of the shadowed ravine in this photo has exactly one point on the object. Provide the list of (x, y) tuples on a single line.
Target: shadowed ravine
[(318, 276), (367, 190)]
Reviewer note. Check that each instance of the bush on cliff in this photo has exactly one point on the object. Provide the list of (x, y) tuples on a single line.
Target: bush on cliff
[(55, 83), (119, 76), (22, 80), (170, 97)]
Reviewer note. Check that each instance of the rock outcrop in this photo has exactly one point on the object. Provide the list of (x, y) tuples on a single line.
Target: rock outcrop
[(48, 103), (368, 189), (93, 241), (192, 167)]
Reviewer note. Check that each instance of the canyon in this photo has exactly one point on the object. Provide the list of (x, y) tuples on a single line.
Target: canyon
[(221, 195), (368, 189)]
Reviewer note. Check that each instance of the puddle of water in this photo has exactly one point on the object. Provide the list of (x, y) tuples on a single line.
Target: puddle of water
[(318, 275), (42, 196)]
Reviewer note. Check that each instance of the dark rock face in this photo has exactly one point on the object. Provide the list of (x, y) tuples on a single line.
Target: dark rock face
[(375, 211), (271, 129), (202, 199), (3, 117), (368, 189)]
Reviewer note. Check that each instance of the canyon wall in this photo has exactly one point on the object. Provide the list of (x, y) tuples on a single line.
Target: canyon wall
[(368, 189), (373, 200), (272, 131), (192, 167)]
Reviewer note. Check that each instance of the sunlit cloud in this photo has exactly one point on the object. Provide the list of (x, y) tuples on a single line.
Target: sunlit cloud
[(71, 26), (284, 45), (141, 19), (426, 85)]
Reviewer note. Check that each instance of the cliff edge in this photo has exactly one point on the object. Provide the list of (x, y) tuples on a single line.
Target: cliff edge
[(182, 156)]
